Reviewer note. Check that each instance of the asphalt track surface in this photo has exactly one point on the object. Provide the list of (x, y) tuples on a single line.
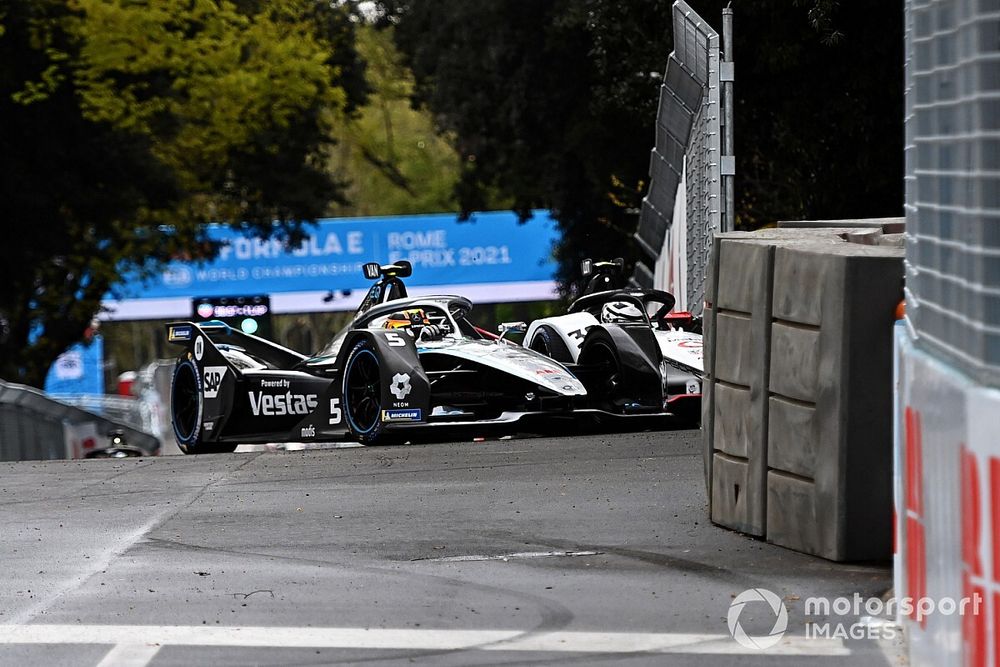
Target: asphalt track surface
[(585, 550)]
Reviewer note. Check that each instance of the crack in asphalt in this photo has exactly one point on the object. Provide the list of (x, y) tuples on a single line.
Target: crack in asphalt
[(382, 471)]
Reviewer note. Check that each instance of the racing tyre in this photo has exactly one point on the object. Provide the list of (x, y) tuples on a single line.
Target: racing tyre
[(186, 407), (547, 341), (604, 382), (362, 392)]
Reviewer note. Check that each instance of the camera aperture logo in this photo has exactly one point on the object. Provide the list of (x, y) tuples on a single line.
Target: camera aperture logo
[(841, 618), (756, 596)]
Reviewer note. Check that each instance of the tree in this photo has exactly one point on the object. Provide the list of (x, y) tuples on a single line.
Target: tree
[(552, 104), (819, 110), (389, 153), (129, 125), (516, 85)]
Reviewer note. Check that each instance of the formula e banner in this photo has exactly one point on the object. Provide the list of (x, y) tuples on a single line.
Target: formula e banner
[(490, 247)]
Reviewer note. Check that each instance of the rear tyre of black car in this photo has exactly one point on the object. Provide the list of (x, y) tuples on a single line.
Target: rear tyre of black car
[(186, 407), (547, 341), (603, 379), (362, 393)]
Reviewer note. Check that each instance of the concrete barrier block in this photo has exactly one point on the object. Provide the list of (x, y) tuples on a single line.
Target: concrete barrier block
[(793, 519), (707, 390), (795, 356), (733, 494), (748, 256), (735, 358), (739, 369), (798, 388), (829, 430), (740, 278), (792, 436), (799, 286), (733, 420)]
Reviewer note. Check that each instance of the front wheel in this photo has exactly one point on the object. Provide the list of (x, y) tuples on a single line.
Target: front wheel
[(603, 380), (186, 407), (546, 340), (362, 393)]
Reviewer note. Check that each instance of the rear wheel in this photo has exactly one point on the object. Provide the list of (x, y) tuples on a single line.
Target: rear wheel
[(546, 340), (362, 393), (603, 379), (186, 407)]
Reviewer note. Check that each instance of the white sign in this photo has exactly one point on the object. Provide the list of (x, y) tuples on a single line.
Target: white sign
[(69, 365)]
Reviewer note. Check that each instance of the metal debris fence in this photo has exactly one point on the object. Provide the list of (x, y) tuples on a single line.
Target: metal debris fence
[(687, 151), (952, 155)]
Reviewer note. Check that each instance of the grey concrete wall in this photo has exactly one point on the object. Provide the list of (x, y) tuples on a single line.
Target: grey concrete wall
[(739, 383), (798, 390)]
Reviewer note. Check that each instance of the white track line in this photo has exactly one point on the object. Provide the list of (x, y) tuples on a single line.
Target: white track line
[(412, 639), (520, 554), (129, 655), (100, 563)]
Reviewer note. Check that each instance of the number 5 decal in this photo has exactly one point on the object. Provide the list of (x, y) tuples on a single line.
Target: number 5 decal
[(335, 413), (394, 339)]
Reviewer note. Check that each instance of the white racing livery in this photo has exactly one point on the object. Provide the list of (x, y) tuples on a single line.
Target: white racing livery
[(591, 333)]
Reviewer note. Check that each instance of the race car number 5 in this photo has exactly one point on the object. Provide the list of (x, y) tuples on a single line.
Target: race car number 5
[(394, 339), (335, 414)]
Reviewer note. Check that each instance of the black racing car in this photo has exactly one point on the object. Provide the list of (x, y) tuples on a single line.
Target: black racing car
[(404, 363)]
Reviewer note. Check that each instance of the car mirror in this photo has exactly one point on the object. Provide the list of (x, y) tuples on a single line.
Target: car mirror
[(513, 327)]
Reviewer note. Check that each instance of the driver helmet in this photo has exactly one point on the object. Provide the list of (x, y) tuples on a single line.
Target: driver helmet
[(621, 311), (404, 319)]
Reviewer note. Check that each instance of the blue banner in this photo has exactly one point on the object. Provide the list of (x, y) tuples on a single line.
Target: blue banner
[(78, 370), (490, 247)]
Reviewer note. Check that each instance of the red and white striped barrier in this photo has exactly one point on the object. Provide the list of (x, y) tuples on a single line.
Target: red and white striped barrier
[(947, 509)]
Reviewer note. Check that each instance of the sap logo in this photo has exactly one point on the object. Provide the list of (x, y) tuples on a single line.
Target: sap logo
[(308, 432), (279, 405), (213, 380)]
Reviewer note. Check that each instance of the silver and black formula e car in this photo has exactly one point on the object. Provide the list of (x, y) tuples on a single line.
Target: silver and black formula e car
[(652, 356), (403, 363)]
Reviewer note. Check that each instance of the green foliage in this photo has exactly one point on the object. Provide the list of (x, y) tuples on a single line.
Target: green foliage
[(129, 124), (552, 104), (389, 153), (542, 100), (819, 110)]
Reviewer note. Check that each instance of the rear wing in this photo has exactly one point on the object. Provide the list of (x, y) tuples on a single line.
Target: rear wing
[(187, 335)]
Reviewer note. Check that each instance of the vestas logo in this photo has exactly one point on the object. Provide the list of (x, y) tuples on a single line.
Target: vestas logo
[(271, 405)]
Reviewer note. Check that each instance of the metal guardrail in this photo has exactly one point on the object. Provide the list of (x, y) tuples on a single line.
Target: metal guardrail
[(122, 409), (34, 426)]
